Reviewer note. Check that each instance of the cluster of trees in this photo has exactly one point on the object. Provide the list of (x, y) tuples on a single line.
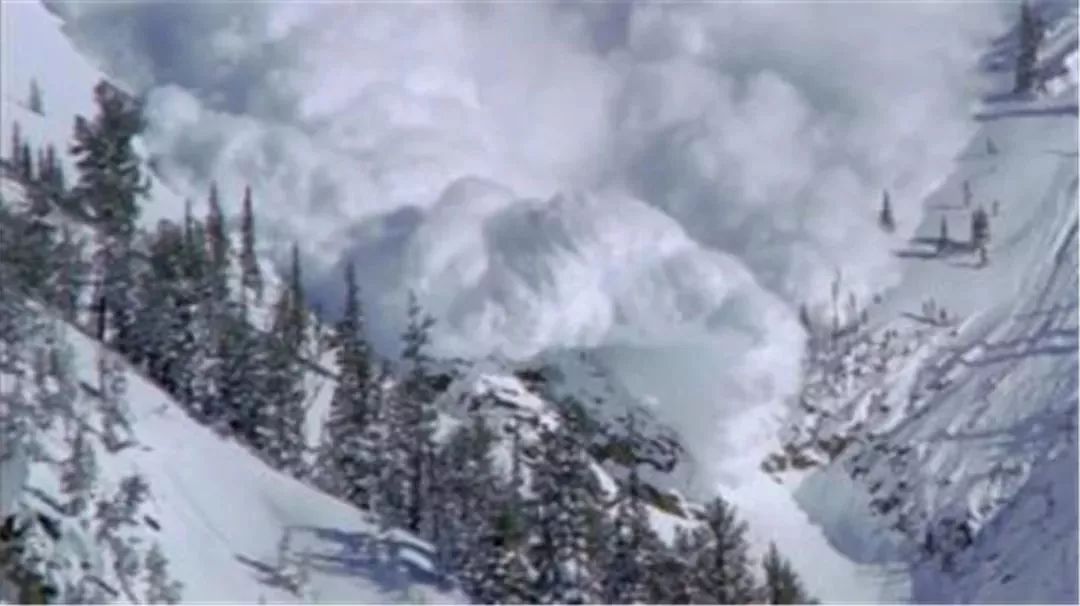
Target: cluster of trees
[(980, 224), (45, 551), (1030, 37), (177, 304), (164, 300)]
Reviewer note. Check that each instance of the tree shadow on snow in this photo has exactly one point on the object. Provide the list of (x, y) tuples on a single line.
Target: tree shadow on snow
[(392, 561), (266, 574)]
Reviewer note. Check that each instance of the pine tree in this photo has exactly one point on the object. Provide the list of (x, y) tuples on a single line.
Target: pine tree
[(980, 230), (344, 472), (109, 188), (16, 146), (722, 572), (26, 163), (634, 548), (160, 588), (413, 427), (53, 176), (885, 218), (218, 240), (240, 394), (293, 308), (28, 245), (110, 177), (252, 276), (78, 474), (564, 490), (112, 387), (782, 585), (34, 101), (1030, 34), (285, 413)]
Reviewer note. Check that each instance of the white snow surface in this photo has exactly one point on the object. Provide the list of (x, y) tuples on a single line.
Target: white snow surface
[(683, 282), (222, 511)]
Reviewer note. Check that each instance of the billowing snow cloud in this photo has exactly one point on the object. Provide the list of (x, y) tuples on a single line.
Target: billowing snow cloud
[(664, 182)]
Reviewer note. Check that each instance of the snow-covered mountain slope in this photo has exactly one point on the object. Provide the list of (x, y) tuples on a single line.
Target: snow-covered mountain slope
[(914, 422), (953, 415), (221, 512)]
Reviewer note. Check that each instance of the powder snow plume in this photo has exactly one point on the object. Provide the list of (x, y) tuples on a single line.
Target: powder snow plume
[(662, 183)]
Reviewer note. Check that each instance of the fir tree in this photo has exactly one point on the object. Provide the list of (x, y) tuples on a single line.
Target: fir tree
[(722, 572), (218, 240), (782, 585), (285, 412), (885, 218), (112, 387), (292, 309), (249, 264), (34, 101), (110, 177), (109, 188), (78, 474), (16, 146), (1030, 37), (160, 588), (564, 490), (634, 547), (344, 472), (26, 163), (413, 416), (980, 227)]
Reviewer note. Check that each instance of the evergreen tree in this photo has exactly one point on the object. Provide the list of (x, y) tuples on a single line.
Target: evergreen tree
[(112, 387), (16, 146), (943, 234), (283, 397), (241, 392), (52, 170), (411, 419), (341, 467), (110, 177), (885, 218), (252, 276), (292, 308), (160, 588), (28, 245), (109, 188), (26, 163), (634, 547), (1030, 36), (980, 230), (78, 474), (722, 572), (564, 489), (34, 101), (782, 585), (464, 491), (218, 240)]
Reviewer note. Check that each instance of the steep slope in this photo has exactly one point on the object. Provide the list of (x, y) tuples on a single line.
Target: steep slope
[(953, 415), (221, 512)]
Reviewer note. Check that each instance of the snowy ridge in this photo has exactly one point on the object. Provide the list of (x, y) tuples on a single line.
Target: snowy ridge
[(220, 512), (953, 417)]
